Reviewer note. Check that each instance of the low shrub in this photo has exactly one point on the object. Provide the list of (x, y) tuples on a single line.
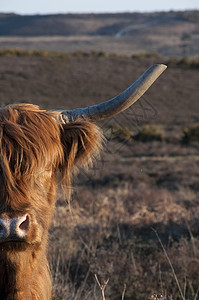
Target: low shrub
[(20, 52), (145, 55), (149, 133), (191, 134), (185, 61), (121, 133)]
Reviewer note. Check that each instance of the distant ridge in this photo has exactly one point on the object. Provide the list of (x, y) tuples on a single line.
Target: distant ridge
[(86, 24), (163, 33)]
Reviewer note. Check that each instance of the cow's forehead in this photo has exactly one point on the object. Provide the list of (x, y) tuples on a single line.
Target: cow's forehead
[(30, 148)]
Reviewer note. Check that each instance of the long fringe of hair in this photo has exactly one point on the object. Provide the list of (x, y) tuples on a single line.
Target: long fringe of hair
[(31, 139)]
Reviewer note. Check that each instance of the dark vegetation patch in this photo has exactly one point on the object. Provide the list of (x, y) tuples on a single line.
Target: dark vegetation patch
[(191, 134), (149, 134), (192, 63)]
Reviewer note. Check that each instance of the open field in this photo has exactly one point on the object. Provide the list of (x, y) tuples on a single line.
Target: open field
[(164, 33), (135, 189), (141, 41)]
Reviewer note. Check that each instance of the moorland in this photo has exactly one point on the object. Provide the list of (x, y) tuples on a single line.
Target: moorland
[(164, 33), (133, 216)]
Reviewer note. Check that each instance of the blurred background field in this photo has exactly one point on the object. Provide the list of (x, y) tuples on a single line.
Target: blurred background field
[(174, 33), (147, 178)]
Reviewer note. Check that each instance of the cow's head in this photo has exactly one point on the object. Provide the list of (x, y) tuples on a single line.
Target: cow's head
[(34, 145)]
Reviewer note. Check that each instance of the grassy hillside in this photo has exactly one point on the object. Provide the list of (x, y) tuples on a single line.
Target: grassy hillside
[(147, 177), (90, 24), (168, 34)]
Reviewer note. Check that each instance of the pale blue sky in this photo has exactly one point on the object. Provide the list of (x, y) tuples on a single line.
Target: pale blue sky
[(77, 6)]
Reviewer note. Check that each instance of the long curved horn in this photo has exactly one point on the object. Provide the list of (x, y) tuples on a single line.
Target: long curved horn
[(117, 104)]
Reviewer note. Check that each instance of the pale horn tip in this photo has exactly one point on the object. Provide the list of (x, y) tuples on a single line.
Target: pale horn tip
[(162, 67)]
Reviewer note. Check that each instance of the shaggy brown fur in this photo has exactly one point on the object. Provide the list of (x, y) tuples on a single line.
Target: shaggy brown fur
[(34, 146)]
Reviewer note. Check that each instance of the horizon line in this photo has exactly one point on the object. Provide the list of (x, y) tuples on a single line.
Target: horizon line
[(100, 12)]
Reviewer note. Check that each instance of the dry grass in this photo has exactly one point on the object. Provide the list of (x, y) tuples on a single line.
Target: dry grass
[(110, 230), (112, 236)]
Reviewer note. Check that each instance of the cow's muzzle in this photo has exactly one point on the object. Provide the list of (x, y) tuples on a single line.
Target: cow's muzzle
[(14, 229)]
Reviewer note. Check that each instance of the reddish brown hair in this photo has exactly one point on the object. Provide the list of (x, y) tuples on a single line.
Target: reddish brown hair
[(30, 138), (34, 146)]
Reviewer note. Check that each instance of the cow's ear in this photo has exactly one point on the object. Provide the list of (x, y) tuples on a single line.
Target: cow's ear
[(81, 141)]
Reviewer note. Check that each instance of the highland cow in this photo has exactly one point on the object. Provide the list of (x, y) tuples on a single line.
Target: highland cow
[(35, 146)]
